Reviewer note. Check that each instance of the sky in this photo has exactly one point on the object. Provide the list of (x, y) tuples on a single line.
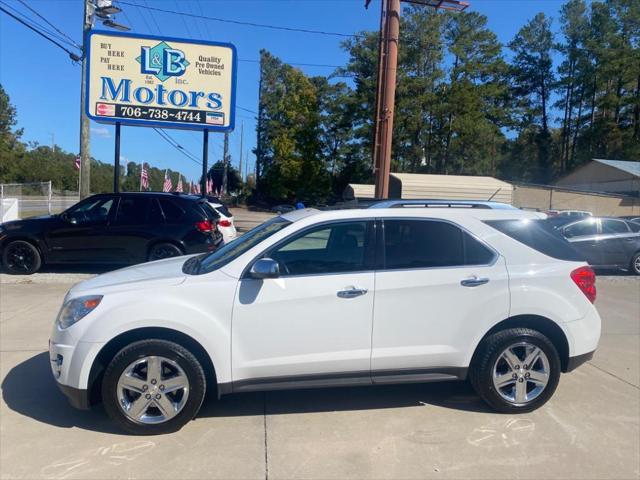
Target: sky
[(44, 85)]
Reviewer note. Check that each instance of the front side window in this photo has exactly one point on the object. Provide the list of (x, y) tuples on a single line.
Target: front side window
[(334, 248), (410, 244), (92, 211)]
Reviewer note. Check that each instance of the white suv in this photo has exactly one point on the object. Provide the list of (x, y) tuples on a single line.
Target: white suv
[(319, 299)]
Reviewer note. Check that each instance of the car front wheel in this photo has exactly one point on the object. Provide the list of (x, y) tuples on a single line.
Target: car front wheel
[(516, 370), (21, 258), (153, 387)]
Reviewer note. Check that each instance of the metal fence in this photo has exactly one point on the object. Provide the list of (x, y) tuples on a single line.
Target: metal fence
[(23, 200)]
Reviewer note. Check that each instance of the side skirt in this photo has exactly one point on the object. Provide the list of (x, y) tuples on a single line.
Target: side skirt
[(351, 379)]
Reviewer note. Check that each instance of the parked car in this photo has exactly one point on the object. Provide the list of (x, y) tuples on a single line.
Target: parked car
[(123, 228), (605, 242), (284, 208), (225, 222), (489, 295)]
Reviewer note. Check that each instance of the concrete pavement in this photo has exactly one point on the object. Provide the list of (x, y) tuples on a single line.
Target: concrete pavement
[(590, 428)]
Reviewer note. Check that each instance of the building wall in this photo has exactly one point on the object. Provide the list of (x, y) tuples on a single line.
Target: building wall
[(598, 177), (549, 198)]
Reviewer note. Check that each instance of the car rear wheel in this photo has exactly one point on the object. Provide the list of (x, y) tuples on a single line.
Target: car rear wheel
[(164, 250), (635, 264), (516, 370), (153, 387), (21, 258)]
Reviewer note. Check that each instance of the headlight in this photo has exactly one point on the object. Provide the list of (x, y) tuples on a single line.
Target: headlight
[(74, 310)]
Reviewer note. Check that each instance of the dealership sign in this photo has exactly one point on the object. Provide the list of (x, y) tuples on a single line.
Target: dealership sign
[(160, 81)]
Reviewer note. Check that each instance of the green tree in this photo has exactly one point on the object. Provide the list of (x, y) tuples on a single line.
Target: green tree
[(533, 81)]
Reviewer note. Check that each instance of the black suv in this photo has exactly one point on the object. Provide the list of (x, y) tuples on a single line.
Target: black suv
[(123, 228)]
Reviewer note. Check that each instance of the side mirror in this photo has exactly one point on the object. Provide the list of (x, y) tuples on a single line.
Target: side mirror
[(265, 268)]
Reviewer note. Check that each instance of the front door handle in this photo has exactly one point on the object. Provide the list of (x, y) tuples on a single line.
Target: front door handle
[(351, 292), (473, 281)]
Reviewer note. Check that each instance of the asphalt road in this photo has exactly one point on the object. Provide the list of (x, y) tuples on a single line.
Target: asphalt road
[(590, 428)]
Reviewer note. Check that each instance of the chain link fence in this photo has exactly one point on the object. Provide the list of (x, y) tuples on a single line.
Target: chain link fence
[(23, 200)]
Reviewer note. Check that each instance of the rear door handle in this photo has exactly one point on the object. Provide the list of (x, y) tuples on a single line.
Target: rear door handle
[(351, 292), (473, 282)]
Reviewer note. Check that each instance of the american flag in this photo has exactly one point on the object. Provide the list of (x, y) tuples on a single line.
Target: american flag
[(167, 186), (77, 162), (179, 187), (210, 186), (196, 188), (144, 178)]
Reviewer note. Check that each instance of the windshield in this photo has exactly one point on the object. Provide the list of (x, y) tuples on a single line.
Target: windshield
[(209, 262)]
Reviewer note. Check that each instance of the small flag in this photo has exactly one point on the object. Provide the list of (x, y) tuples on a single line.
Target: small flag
[(196, 189), (167, 186), (77, 162), (144, 178), (105, 110), (179, 187)]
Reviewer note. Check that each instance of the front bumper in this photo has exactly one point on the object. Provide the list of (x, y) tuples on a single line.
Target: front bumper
[(77, 398), (575, 362), (71, 365)]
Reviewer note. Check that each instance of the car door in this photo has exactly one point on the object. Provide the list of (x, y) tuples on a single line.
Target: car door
[(438, 291), (617, 242), (583, 236), (312, 324), (132, 229), (80, 236)]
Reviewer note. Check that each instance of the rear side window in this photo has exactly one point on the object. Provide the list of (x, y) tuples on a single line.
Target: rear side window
[(155, 214), (132, 211), (635, 227), (172, 212), (412, 244), (614, 226), (539, 235)]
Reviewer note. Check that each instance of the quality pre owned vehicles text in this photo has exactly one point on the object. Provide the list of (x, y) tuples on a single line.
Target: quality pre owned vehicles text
[(319, 299)]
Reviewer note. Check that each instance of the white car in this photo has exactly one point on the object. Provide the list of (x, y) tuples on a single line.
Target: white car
[(225, 224), (320, 299)]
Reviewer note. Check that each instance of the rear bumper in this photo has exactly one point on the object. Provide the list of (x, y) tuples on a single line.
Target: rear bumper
[(575, 362), (77, 398)]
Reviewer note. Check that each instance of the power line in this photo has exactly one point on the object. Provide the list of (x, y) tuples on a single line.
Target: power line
[(296, 64), (247, 110), (72, 55), (153, 18), (250, 24), (51, 24), (40, 26), (171, 141)]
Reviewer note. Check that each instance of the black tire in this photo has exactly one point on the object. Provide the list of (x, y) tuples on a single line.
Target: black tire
[(163, 250), (161, 348), (21, 258), (482, 369), (634, 266)]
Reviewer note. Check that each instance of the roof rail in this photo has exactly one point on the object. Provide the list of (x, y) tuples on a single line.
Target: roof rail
[(438, 203)]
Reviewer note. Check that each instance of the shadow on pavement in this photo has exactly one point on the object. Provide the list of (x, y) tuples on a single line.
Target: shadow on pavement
[(29, 389)]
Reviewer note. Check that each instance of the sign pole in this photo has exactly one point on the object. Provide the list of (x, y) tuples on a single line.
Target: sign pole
[(116, 162), (205, 162)]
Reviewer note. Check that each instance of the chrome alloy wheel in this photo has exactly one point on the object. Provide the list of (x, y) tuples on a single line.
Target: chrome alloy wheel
[(521, 373), (152, 390), (636, 264)]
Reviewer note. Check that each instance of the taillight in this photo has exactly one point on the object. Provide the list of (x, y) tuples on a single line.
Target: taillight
[(224, 223), (205, 226), (585, 279)]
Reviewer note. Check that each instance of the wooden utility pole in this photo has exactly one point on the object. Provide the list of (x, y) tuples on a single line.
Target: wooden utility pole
[(85, 154), (385, 102), (386, 84)]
